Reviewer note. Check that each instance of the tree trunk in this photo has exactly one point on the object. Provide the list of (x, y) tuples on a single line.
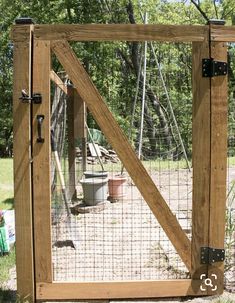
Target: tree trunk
[(165, 128)]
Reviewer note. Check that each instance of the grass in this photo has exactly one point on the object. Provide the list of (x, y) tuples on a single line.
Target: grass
[(152, 165), (6, 202), (224, 301), (6, 184), (231, 161), (6, 263)]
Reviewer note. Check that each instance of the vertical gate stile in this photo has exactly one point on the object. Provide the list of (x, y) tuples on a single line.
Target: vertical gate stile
[(219, 87), (41, 162), (201, 158), (22, 38)]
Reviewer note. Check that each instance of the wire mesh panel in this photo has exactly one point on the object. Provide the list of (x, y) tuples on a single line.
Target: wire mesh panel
[(112, 234)]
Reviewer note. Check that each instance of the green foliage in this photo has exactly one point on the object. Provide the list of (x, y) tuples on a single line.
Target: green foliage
[(113, 77), (6, 186), (224, 301), (230, 227)]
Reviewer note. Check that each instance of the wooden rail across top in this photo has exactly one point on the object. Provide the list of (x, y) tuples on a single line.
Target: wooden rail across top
[(126, 32), (223, 33), (118, 32)]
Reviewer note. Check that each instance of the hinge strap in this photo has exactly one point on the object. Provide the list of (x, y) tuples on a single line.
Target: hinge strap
[(211, 255), (212, 68)]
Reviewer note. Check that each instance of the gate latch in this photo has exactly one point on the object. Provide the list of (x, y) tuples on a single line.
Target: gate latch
[(36, 98), (211, 255), (212, 68)]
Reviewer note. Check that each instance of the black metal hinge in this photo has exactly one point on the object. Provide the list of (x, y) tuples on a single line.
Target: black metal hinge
[(212, 68), (211, 255), (36, 98)]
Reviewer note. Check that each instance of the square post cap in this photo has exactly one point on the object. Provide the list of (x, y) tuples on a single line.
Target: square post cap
[(216, 22), (24, 20)]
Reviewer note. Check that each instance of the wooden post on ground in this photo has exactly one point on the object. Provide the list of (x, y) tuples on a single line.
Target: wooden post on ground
[(76, 133), (219, 109), (22, 38), (209, 163), (81, 130), (71, 143)]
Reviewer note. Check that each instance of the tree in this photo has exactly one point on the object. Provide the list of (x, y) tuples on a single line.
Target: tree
[(121, 59)]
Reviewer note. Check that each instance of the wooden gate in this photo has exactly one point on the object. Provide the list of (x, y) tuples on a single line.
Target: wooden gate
[(33, 45)]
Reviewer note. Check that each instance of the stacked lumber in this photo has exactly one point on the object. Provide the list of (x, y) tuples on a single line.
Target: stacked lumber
[(94, 151)]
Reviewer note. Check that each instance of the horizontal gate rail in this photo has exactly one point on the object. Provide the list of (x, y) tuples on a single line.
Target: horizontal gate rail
[(125, 32), (112, 290)]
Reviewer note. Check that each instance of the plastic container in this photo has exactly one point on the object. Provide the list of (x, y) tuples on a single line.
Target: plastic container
[(94, 190), (95, 174)]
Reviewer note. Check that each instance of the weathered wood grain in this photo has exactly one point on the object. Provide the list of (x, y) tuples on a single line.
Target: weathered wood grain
[(122, 32), (56, 79), (41, 164), (219, 115), (22, 169), (222, 33), (201, 158), (20, 33), (118, 290)]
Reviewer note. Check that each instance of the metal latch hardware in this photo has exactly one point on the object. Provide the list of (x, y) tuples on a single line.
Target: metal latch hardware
[(36, 98), (40, 119), (212, 68), (211, 255)]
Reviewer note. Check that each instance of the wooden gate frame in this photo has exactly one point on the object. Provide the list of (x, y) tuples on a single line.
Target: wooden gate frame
[(32, 70)]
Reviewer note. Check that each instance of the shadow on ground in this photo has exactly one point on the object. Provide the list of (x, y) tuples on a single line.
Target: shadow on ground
[(9, 203), (7, 296)]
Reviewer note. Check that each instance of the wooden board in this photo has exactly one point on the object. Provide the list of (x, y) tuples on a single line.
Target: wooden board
[(80, 126), (56, 79), (222, 33), (20, 33), (80, 117), (117, 290), (41, 164), (201, 158), (119, 142), (94, 150), (72, 143), (219, 87), (123, 32), (22, 167)]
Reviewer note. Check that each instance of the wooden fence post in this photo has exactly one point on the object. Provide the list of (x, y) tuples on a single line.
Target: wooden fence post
[(209, 163), (76, 131), (71, 142), (22, 38), (219, 116), (80, 126)]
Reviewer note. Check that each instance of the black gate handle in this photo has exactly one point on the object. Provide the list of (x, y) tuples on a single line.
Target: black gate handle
[(40, 119)]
